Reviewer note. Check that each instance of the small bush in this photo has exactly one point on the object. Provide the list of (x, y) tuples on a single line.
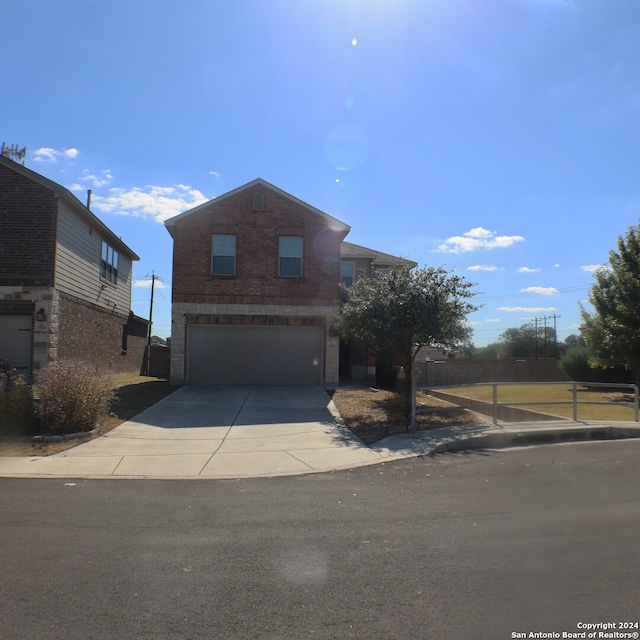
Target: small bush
[(16, 405), (72, 397)]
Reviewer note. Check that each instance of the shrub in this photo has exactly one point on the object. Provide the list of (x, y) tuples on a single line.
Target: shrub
[(575, 365), (16, 405), (72, 397)]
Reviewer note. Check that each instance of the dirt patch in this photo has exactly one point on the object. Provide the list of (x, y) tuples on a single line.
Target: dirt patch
[(374, 414)]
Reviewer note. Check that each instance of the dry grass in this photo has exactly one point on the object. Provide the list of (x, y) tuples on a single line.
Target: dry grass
[(133, 395), (543, 397), (373, 414)]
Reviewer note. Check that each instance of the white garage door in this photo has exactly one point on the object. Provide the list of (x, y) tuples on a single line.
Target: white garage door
[(255, 355), (15, 342)]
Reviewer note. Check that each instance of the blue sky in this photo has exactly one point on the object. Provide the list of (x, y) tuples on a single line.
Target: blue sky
[(500, 138)]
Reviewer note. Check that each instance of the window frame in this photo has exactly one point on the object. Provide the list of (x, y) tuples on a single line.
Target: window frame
[(233, 255), (109, 259), (289, 257), (352, 276), (258, 201)]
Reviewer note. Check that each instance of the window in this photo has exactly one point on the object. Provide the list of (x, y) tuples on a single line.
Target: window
[(223, 255), (124, 338), (258, 202), (109, 263), (290, 263), (346, 273)]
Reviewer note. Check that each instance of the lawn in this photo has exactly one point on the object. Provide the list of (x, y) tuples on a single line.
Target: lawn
[(542, 397)]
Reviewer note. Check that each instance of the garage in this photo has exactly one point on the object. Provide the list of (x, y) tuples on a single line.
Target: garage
[(15, 342), (255, 355)]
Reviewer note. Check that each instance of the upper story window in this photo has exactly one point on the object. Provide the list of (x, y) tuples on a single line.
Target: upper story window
[(290, 257), (347, 271), (258, 201), (223, 255), (109, 263)]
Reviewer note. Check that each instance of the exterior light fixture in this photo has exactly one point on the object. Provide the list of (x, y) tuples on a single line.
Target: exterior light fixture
[(40, 315)]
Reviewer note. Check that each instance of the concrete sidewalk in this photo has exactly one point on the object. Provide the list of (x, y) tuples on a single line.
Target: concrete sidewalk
[(249, 432)]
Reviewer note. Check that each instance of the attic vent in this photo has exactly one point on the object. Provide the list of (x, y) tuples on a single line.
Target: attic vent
[(258, 202)]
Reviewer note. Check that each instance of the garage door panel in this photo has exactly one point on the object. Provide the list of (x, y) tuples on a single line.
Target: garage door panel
[(255, 355)]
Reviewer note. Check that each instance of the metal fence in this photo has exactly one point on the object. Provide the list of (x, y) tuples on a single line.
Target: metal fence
[(510, 411)]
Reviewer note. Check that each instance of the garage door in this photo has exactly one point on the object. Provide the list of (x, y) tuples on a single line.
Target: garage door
[(255, 355), (15, 342)]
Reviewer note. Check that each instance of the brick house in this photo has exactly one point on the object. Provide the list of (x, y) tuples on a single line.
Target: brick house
[(65, 280), (256, 277)]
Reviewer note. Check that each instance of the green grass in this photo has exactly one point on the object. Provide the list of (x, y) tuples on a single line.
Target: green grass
[(542, 397)]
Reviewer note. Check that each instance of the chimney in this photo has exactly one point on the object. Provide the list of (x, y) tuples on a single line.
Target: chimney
[(88, 198)]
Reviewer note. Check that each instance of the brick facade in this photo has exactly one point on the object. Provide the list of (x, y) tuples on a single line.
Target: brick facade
[(122, 344), (27, 231), (256, 280)]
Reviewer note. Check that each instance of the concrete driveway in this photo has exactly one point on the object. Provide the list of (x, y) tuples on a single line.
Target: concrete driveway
[(215, 432)]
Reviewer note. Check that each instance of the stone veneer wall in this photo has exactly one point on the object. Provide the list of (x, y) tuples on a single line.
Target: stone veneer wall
[(184, 313), (44, 333)]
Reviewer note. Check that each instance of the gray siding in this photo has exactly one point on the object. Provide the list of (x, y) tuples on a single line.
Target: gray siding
[(77, 270)]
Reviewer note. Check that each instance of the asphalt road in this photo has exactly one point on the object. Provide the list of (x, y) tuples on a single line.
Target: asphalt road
[(471, 546)]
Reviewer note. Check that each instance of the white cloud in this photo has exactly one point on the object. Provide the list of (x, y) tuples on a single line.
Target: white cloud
[(482, 267), (48, 154), (527, 309), (477, 238), (146, 284), (592, 268), (44, 154), (541, 291), (158, 203), (215, 174), (528, 270), (100, 179), (493, 320)]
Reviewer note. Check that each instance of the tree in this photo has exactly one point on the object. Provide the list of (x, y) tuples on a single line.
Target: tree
[(529, 340), (612, 331), (406, 309)]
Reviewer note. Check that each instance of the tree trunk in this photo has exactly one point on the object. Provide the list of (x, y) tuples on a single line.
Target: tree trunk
[(406, 392)]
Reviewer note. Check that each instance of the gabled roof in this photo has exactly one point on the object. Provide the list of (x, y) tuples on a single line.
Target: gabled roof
[(350, 251), (332, 222), (79, 207)]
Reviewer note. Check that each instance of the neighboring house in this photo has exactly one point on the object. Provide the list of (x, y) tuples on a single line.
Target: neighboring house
[(65, 280), (256, 276)]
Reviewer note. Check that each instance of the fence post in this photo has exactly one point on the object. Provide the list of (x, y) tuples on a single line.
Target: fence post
[(635, 389), (495, 404), (575, 402)]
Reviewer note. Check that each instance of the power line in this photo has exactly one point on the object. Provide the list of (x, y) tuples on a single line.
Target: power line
[(511, 296)]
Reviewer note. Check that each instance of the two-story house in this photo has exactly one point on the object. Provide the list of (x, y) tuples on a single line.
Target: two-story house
[(256, 276), (65, 280)]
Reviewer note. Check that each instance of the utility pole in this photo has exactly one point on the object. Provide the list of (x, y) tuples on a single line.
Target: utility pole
[(555, 334), (148, 351)]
